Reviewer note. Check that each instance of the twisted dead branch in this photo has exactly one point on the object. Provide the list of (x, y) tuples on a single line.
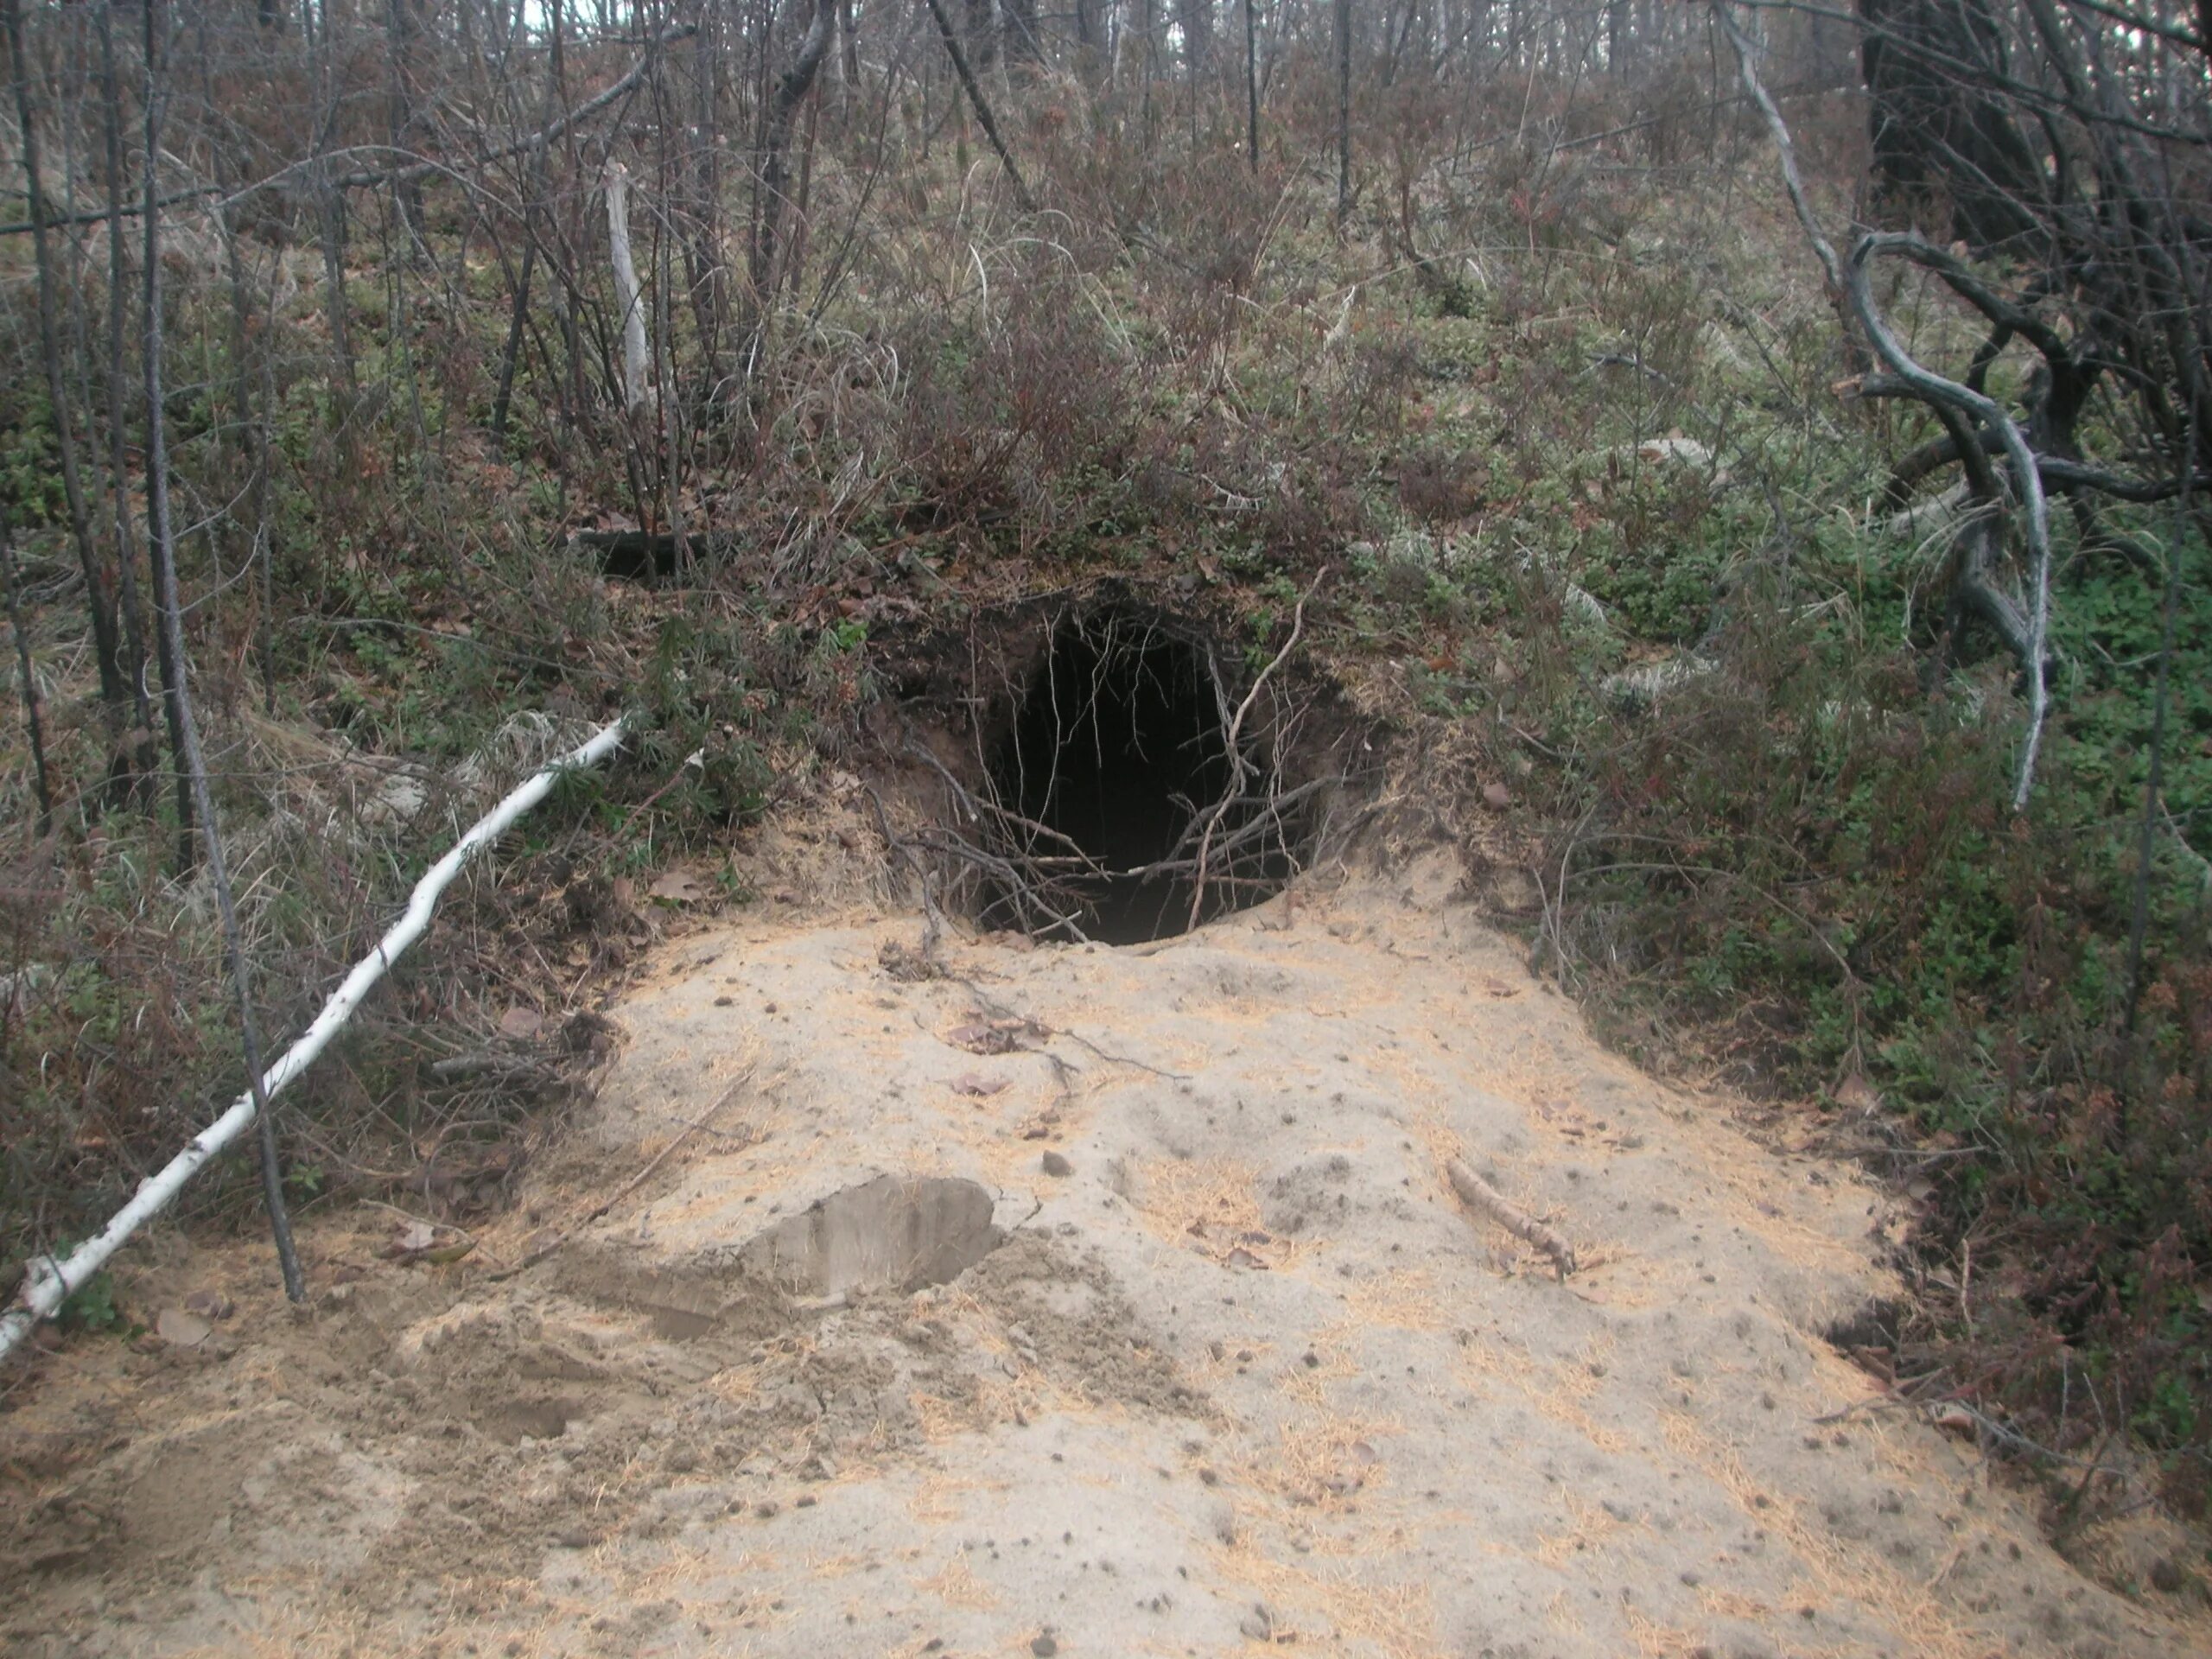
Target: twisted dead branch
[(1961, 408), (1243, 771)]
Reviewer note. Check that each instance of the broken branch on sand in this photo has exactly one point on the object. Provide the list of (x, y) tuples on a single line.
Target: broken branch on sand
[(1479, 1195)]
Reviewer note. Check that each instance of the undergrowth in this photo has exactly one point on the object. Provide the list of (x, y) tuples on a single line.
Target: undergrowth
[(1554, 418)]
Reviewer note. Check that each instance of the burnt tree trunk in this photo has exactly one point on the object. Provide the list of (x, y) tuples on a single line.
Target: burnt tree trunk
[(1936, 126)]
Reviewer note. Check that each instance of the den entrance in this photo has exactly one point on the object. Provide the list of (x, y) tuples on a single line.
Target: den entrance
[(1118, 795)]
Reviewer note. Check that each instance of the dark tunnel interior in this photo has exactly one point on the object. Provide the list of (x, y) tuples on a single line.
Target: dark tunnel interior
[(1118, 745)]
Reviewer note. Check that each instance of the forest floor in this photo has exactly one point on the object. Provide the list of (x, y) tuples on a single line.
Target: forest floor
[(1217, 1362)]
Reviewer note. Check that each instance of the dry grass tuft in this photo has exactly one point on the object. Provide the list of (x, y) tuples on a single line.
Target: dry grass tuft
[(1838, 1572), (1335, 1611), (1210, 1205), (1325, 1466), (955, 1585)]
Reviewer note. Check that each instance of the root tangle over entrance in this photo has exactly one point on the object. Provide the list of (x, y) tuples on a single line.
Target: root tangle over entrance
[(1122, 786)]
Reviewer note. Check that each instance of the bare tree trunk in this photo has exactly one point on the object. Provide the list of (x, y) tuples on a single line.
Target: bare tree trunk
[(1149, 16), (531, 233), (791, 87), (164, 552), (706, 272), (795, 256), (1024, 44), (1197, 18), (637, 359), (403, 26), (533, 195), (1343, 108), (256, 456), (1251, 88), (981, 32), (99, 580), (982, 105), (126, 552), (1090, 52), (34, 718), (510, 353), (126, 548), (672, 431), (330, 213)]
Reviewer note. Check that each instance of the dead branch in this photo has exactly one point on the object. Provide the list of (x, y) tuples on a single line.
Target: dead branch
[(1947, 398), (1241, 770), (681, 1136), (505, 1069), (2026, 479), (982, 105), (599, 1210), (1479, 1195), (997, 1010), (374, 179)]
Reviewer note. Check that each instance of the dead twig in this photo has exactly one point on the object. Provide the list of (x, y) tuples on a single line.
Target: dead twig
[(995, 1009), (636, 1181), (682, 1135), (1240, 768), (1479, 1195)]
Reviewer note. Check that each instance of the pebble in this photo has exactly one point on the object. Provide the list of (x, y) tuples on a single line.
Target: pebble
[(1053, 1164), (1044, 1647)]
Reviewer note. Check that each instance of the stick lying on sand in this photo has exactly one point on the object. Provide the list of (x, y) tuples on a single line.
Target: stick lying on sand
[(1479, 1195), (47, 1283)]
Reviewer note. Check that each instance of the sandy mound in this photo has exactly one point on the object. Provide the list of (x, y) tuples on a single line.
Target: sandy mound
[(1080, 1301)]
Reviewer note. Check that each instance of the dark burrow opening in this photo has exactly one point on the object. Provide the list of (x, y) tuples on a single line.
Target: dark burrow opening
[(1116, 762)]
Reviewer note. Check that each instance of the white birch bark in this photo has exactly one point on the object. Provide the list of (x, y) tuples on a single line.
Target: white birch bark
[(637, 359)]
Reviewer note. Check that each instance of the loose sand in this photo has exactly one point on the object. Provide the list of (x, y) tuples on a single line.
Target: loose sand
[(1241, 1375)]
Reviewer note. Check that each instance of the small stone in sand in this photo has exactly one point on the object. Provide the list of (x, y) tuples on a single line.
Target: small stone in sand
[(1053, 1164), (1044, 1647)]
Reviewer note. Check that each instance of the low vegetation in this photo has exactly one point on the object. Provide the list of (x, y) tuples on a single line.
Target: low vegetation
[(1545, 376)]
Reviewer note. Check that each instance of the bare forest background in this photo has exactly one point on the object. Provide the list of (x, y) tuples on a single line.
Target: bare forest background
[(1792, 596)]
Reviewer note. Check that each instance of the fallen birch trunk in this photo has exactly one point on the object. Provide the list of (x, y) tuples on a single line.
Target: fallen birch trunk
[(1479, 1195), (47, 1283)]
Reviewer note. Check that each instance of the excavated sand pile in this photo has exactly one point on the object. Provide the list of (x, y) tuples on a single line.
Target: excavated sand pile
[(1074, 1300)]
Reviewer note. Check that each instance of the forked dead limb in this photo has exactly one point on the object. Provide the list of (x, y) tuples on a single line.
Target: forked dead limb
[(1964, 410), (1480, 1196), (1240, 768)]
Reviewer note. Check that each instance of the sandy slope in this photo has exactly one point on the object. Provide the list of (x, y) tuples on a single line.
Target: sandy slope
[(1246, 1374)]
